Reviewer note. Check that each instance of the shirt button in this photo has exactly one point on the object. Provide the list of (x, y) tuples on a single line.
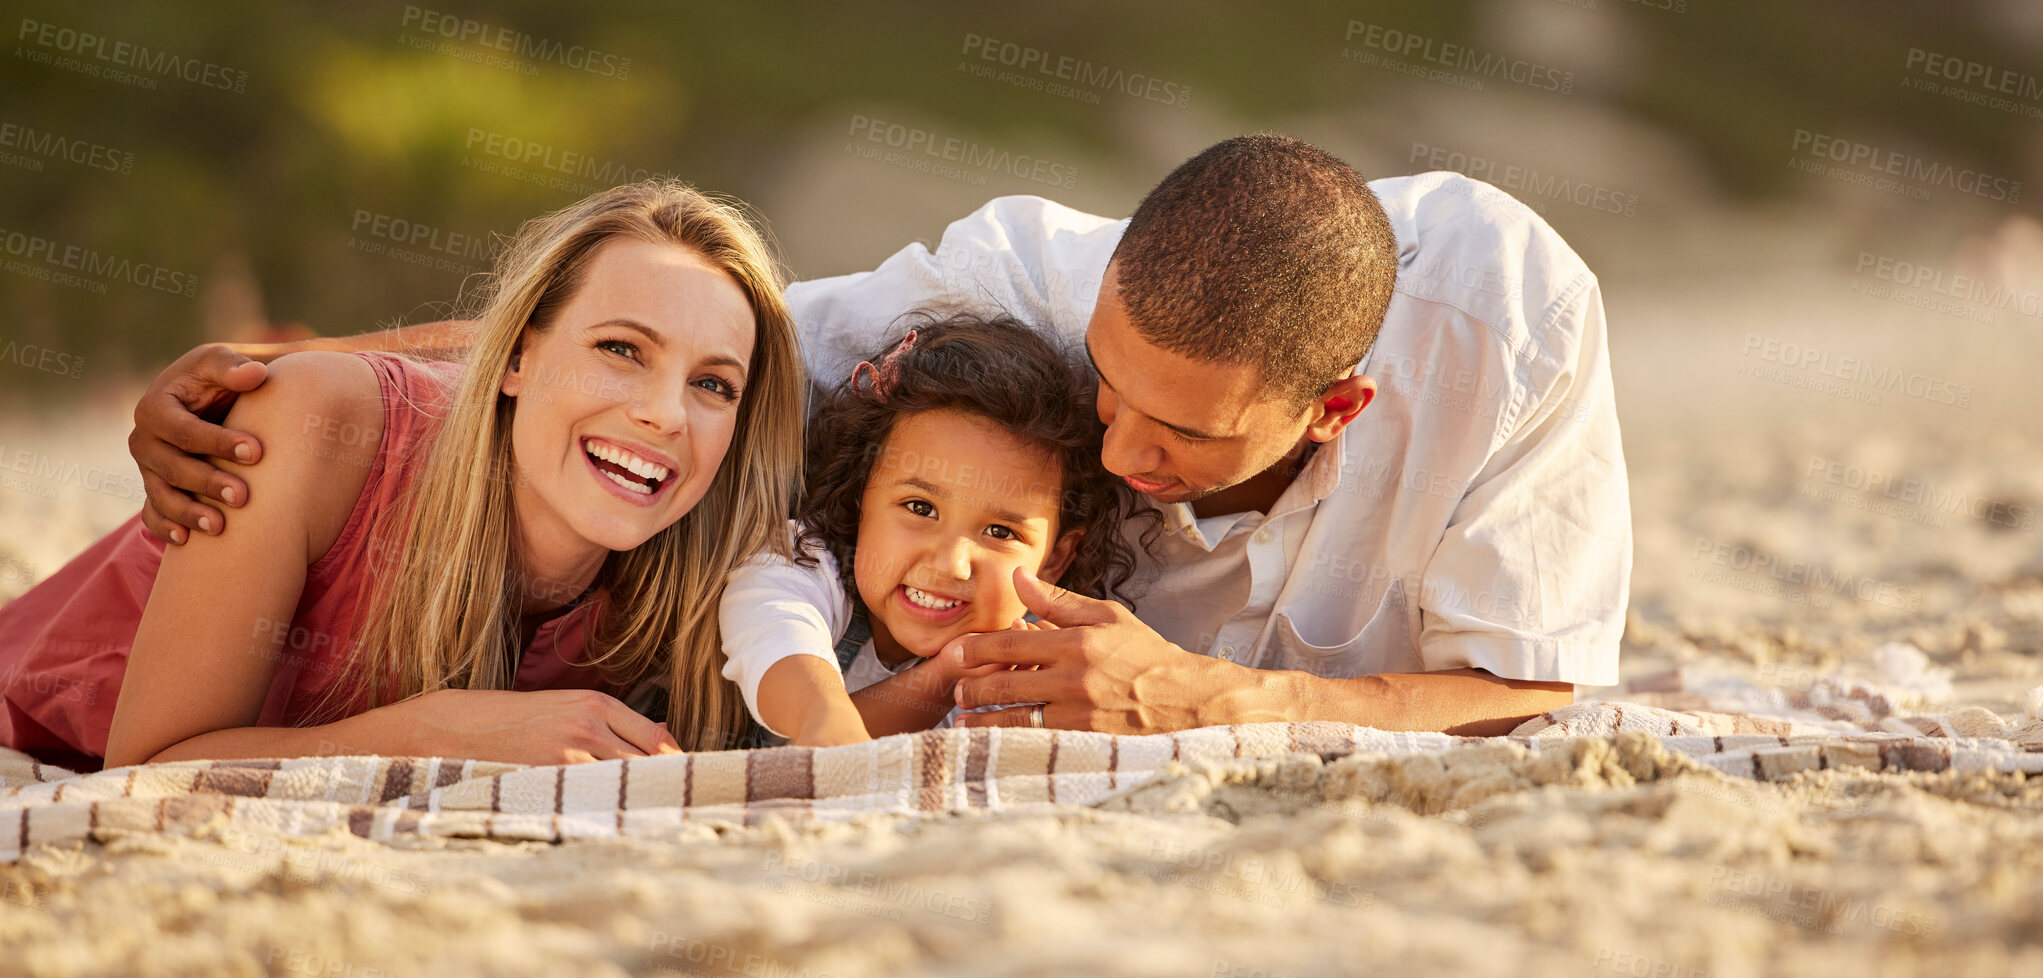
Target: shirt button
[(1263, 535), (1227, 653)]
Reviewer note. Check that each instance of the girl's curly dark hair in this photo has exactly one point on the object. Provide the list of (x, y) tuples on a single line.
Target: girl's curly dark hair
[(1000, 369)]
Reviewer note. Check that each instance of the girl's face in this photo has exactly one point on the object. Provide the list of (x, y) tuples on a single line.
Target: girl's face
[(953, 505), (626, 405)]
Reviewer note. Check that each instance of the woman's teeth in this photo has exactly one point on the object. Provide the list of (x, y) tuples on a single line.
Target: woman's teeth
[(650, 474), (637, 487), (928, 600)]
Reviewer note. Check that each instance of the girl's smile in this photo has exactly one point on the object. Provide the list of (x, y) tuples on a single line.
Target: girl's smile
[(953, 505)]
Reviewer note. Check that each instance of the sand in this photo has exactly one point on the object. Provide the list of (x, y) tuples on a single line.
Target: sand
[(1609, 857)]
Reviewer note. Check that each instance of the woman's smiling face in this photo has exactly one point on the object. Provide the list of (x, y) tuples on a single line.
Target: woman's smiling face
[(953, 505), (627, 403)]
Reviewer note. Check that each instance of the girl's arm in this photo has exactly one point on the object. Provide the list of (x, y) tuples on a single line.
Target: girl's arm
[(917, 699), (780, 622), (803, 698), (920, 697)]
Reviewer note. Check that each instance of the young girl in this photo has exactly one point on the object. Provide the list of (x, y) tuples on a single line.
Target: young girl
[(967, 450), (450, 561)]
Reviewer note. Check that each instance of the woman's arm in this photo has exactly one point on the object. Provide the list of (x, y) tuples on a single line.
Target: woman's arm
[(547, 726), (445, 340), (207, 648), (211, 634)]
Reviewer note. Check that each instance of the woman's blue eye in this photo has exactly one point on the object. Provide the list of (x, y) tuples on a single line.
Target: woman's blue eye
[(718, 386), (920, 507), (630, 347)]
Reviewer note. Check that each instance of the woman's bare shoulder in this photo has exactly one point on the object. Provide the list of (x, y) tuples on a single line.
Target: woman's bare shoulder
[(319, 416)]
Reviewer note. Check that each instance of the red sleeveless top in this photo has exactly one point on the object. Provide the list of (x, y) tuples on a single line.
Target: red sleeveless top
[(64, 645)]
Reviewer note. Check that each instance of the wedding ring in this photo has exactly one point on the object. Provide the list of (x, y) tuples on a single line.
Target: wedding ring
[(1036, 717)]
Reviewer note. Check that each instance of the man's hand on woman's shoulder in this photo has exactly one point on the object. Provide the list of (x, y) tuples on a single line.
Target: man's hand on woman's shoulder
[(176, 432)]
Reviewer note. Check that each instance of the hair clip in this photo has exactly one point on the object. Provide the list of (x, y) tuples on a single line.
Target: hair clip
[(888, 372)]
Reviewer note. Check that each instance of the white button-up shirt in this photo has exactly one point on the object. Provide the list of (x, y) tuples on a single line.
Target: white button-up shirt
[(1476, 514)]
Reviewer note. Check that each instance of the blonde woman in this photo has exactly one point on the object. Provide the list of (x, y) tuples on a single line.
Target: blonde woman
[(471, 559)]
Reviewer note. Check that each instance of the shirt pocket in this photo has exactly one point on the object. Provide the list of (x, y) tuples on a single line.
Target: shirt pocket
[(1383, 643)]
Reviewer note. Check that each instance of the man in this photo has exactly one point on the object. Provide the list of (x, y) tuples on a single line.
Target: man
[(1455, 559)]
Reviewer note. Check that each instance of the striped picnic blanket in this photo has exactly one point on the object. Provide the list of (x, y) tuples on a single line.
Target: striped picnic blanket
[(936, 773)]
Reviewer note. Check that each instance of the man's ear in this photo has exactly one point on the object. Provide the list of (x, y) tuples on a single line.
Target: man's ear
[(1333, 410), (1061, 554)]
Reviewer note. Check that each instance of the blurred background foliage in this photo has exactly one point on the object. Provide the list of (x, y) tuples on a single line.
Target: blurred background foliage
[(339, 116)]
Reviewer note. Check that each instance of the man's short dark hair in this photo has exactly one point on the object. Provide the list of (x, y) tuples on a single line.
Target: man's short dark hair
[(1265, 251)]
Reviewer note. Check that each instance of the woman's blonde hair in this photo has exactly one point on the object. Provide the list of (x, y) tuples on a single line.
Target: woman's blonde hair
[(447, 611)]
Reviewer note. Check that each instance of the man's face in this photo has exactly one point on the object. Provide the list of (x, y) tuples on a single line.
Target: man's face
[(1178, 428)]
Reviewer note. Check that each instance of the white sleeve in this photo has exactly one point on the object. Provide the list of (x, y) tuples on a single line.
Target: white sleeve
[(1532, 576), (773, 609), (1034, 259), (865, 669)]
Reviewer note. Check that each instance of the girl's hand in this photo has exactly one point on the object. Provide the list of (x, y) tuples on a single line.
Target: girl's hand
[(549, 726)]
